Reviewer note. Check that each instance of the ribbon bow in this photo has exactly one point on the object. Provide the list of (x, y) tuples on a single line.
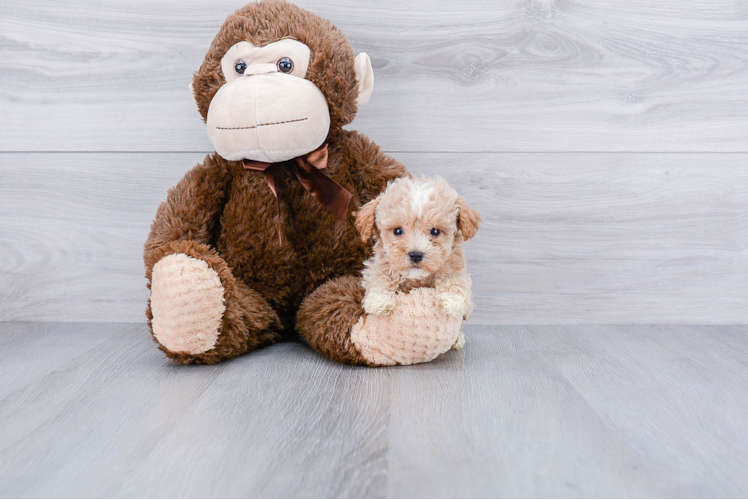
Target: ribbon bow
[(308, 169)]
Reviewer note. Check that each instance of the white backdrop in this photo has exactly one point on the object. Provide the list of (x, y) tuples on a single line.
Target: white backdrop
[(604, 143)]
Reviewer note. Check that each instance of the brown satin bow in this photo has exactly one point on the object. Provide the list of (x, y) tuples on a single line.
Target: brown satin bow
[(308, 169)]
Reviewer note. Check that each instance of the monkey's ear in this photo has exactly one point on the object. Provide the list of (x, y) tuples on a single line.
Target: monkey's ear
[(365, 219), (364, 77), (468, 219)]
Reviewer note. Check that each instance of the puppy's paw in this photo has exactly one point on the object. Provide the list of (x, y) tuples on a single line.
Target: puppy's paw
[(453, 303), (379, 303), (460, 342)]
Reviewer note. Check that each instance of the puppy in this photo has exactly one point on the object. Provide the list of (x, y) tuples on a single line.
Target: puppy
[(419, 225)]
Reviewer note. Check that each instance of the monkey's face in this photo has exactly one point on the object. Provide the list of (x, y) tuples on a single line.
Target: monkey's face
[(277, 81), (267, 111)]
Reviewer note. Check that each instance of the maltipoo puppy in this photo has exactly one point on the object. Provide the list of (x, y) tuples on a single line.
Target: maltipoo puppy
[(419, 225)]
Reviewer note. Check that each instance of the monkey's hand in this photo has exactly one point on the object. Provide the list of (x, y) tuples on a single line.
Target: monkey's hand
[(379, 302)]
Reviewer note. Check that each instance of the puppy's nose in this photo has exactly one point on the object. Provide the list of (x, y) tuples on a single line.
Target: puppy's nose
[(415, 257)]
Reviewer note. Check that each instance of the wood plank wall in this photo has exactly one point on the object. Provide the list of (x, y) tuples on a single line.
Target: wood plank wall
[(605, 144)]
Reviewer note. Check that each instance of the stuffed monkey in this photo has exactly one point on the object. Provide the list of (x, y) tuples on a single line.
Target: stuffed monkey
[(258, 244)]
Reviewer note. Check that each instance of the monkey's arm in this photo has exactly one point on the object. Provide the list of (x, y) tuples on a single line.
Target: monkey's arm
[(191, 210), (198, 312), (370, 169)]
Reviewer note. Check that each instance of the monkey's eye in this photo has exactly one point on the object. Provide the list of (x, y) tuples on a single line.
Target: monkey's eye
[(285, 65), (435, 232), (398, 231), (240, 66)]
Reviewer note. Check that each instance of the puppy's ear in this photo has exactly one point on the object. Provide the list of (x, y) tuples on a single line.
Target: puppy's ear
[(365, 219), (468, 219)]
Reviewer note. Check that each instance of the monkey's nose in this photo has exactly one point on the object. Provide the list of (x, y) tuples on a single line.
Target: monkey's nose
[(260, 69), (415, 257)]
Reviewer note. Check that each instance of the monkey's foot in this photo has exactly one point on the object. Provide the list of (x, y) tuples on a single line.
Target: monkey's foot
[(416, 331), (187, 302)]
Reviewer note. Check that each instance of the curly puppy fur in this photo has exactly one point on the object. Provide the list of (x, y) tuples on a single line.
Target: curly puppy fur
[(419, 225), (226, 215)]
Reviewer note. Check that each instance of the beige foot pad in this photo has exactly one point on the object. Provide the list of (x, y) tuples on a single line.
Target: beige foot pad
[(187, 304), (416, 331)]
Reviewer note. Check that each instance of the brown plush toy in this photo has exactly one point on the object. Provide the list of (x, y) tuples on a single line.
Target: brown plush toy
[(258, 243)]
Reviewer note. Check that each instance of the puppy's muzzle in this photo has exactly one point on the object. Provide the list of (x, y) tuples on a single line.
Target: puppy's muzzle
[(415, 257)]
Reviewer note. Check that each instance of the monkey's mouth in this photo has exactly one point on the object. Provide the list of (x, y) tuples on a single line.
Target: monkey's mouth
[(262, 125)]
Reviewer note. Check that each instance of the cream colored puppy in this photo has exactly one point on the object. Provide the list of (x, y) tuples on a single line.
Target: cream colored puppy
[(419, 225)]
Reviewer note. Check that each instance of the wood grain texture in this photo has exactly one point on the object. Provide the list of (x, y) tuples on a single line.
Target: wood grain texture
[(570, 238), (73, 228), (605, 238), (475, 75), (578, 411), (33, 350), (538, 411)]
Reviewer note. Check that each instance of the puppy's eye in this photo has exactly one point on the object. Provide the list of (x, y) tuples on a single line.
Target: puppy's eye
[(240, 67), (398, 231), (285, 65), (435, 232)]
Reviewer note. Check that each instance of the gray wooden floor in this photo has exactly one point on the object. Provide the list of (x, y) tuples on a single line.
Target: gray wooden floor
[(94, 410)]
